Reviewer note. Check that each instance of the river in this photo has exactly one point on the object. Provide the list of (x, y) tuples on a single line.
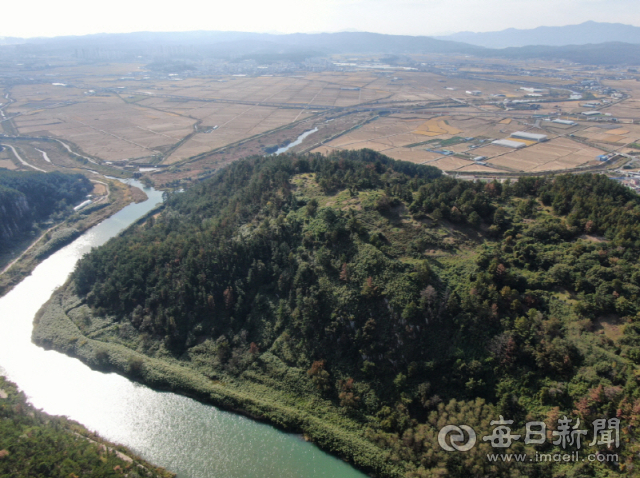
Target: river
[(180, 434), (300, 139)]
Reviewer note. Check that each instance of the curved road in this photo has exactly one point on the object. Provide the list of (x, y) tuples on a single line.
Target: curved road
[(22, 160)]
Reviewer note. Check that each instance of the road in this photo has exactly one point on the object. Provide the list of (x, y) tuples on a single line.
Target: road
[(22, 160), (28, 249)]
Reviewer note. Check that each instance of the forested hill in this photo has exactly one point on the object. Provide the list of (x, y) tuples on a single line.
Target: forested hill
[(27, 197), (369, 302)]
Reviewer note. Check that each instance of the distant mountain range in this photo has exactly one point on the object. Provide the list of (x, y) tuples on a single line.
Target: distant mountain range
[(610, 53), (582, 34), (244, 42), (606, 49)]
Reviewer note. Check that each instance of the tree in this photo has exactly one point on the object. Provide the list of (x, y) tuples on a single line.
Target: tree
[(500, 218), (474, 219), (347, 396), (369, 289), (228, 297), (344, 273), (312, 207), (319, 376)]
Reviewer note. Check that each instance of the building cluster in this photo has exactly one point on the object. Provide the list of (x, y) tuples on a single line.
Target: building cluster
[(632, 181), (520, 139)]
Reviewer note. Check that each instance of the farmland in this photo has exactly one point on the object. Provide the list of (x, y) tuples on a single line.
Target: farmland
[(126, 119)]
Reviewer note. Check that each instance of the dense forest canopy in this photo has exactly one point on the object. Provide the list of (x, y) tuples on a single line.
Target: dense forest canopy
[(408, 298), (28, 197)]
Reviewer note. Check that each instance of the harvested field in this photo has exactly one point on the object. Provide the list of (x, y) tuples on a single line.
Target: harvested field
[(414, 156), (7, 164), (451, 163), (556, 154), (610, 134), (491, 151), (234, 124), (309, 90), (99, 189), (478, 168), (122, 112), (436, 127), (108, 128), (415, 132)]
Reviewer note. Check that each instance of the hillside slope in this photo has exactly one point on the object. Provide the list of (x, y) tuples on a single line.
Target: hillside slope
[(28, 197), (368, 303)]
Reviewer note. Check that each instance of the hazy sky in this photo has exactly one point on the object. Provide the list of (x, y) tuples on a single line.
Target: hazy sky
[(28, 18)]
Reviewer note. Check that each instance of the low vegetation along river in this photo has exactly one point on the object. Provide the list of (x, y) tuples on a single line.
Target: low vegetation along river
[(175, 432)]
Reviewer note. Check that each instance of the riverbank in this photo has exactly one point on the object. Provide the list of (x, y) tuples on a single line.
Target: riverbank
[(35, 443), (30, 255), (268, 391)]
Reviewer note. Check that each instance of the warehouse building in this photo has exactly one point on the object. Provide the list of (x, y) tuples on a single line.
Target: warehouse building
[(565, 122), (539, 138), (534, 90), (508, 144)]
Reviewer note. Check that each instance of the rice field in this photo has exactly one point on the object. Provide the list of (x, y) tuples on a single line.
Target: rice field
[(120, 113)]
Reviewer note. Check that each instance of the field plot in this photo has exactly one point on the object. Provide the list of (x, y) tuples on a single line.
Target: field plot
[(415, 156), (415, 132), (559, 83), (627, 109), (107, 70), (491, 151), (281, 90), (409, 138), (558, 153), (31, 155), (389, 132), (611, 134), (7, 159), (451, 163), (122, 112), (32, 98), (47, 155), (490, 128), (144, 119), (104, 127), (478, 168), (436, 127), (605, 134), (234, 123), (420, 86)]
